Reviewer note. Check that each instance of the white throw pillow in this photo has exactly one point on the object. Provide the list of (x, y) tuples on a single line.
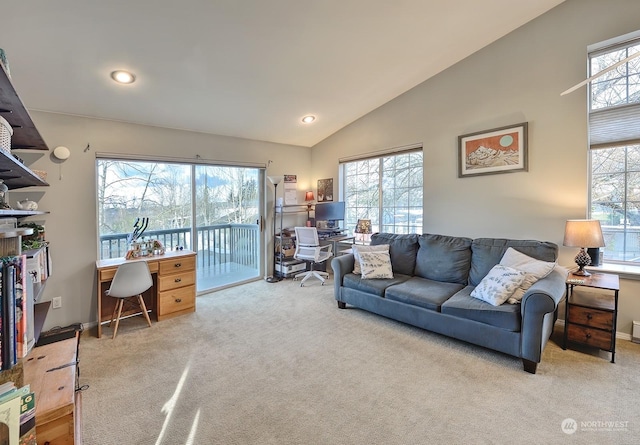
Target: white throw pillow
[(358, 249), (499, 284), (535, 270), (375, 265)]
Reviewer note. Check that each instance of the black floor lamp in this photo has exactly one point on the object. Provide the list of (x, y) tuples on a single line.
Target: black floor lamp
[(275, 180)]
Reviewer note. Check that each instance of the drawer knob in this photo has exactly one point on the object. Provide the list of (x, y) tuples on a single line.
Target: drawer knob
[(177, 280), (588, 335), (589, 316), (178, 264), (178, 300)]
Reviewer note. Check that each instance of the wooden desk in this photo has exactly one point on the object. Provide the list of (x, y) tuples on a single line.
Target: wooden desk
[(174, 285), (335, 241)]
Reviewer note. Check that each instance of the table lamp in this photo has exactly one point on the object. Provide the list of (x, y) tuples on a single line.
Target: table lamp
[(583, 233), (275, 180), (363, 227), (309, 198)]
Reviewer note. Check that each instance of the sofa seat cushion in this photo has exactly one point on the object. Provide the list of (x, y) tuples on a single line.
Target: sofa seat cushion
[(463, 305), (422, 292), (372, 286)]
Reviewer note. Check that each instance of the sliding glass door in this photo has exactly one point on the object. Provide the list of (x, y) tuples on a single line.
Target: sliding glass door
[(213, 210), (227, 224)]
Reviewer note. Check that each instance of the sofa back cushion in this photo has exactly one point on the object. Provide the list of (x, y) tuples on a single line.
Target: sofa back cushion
[(402, 249), (444, 258), (487, 252)]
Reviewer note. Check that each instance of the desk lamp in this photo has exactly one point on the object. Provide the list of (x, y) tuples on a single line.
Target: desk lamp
[(363, 227), (275, 180), (308, 198), (583, 233)]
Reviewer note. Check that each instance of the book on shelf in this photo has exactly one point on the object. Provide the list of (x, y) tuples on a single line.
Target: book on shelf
[(10, 415), (14, 309), (8, 319), (28, 419), (18, 412)]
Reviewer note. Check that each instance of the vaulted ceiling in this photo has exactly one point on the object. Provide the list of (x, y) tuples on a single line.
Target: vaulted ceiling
[(244, 68)]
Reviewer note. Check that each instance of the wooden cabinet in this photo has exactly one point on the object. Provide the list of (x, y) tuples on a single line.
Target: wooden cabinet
[(591, 314), (51, 372), (176, 286)]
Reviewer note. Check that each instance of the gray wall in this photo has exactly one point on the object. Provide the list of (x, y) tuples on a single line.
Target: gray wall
[(71, 225), (516, 79)]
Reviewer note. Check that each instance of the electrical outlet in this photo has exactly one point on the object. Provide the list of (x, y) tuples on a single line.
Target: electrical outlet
[(57, 302)]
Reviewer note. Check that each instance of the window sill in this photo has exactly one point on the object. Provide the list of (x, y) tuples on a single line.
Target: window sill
[(626, 271)]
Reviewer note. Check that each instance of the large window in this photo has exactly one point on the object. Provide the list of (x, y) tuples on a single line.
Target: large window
[(385, 189), (614, 137)]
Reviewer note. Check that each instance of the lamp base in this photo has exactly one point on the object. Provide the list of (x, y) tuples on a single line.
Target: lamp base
[(273, 279), (582, 259), (581, 273)]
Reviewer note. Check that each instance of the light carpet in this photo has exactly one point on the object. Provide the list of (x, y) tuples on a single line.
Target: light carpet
[(279, 364)]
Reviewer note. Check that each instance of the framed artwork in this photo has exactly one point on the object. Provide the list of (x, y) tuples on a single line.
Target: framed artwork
[(501, 150), (325, 190)]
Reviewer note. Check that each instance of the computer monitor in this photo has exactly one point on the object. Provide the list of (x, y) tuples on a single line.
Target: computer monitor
[(332, 212)]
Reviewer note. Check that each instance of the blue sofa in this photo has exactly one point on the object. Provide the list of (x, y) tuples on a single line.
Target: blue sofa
[(433, 278)]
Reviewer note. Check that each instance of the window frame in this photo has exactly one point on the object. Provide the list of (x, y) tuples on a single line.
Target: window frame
[(383, 169), (615, 128)]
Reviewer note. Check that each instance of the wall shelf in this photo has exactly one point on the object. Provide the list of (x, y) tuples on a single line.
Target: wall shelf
[(25, 134), (11, 213)]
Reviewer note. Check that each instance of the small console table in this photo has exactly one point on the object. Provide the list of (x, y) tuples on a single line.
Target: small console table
[(590, 317), (174, 285)]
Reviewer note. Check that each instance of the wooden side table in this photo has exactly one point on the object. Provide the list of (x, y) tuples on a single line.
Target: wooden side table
[(590, 317)]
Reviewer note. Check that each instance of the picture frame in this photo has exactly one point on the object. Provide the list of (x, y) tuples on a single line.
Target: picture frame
[(499, 150), (325, 190)]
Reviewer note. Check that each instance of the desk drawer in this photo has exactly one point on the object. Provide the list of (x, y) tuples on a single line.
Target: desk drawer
[(591, 317), (176, 280), (176, 300), (177, 265), (107, 274), (591, 337)]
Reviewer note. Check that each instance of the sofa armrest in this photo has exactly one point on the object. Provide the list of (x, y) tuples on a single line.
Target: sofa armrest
[(553, 286), (537, 308), (341, 265)]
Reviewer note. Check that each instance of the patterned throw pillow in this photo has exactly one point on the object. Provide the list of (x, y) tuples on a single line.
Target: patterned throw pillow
[(535, 270), (499, 284), (357, 250), (375, 265)]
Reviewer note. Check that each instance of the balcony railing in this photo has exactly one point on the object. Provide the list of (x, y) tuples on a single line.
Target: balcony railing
[(217, 244)]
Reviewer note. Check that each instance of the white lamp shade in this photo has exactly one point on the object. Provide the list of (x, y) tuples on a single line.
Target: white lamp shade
[(583, 233), (275, 180)]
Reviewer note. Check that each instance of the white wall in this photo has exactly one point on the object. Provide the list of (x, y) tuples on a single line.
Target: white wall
[(516, 79), (71, 201)]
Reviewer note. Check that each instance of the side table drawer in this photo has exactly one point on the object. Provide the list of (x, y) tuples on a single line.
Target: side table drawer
[(174, 281), (176, 300), (591, 337), (591, 317)]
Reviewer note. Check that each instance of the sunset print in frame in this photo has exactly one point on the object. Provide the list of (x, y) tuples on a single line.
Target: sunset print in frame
[(501, 150)]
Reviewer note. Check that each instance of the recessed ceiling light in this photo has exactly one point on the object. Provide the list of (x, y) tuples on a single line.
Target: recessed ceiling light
[(123, 77), (308, 119)]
